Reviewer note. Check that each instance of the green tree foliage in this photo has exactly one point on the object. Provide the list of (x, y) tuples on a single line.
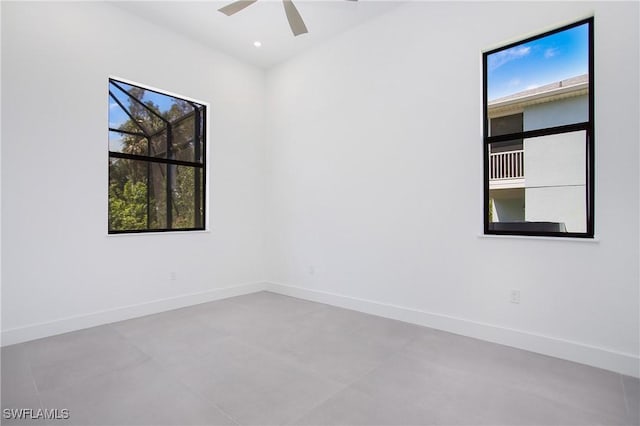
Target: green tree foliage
[(130, 180), (128, 206), (490, 209)]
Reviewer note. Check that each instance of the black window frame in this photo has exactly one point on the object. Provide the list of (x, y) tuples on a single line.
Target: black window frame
[(201, 130), (587, 126)]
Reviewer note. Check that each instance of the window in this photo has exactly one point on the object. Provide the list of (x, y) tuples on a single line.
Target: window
[(504, 126), (538, 135), (156, 161)]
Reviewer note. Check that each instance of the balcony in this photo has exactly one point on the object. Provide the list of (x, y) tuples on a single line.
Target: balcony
[(506, 169)]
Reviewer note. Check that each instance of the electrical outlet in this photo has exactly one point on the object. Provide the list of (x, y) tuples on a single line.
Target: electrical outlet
[(312, 270), (515, 296), (173, 276)]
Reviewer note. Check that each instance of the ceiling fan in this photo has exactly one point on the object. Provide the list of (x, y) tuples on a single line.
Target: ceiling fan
[(293, 16)]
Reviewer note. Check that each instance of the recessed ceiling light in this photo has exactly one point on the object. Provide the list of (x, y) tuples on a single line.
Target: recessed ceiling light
[(257, 43)]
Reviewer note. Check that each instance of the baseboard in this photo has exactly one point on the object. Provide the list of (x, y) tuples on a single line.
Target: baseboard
[(622, 363), (51, 328)]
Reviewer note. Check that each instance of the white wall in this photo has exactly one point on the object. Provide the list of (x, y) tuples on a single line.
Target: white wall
[(375, 180), (373, 177), (60, 269)]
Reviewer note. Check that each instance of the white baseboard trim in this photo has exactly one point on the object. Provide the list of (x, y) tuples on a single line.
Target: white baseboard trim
[(607, 359), (619, 362), (79, 322)]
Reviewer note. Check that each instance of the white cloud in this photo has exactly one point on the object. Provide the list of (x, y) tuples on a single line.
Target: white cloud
[(551, 52), (112, 105), (498, 59)]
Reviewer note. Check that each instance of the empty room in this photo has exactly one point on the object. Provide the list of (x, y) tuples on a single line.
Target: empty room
[(306, 212)]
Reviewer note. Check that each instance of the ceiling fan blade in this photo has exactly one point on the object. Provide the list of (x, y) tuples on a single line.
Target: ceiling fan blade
[(236, 6), (295, 20)]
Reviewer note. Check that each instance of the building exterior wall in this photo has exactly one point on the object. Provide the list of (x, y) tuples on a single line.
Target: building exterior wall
[(555, 180), (556, 113), (555, 189), (508, 205), (564, 204)]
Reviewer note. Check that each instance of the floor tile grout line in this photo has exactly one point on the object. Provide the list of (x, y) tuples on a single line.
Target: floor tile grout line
[(585, 409), (266, 351), (395, 351), (261, 349), (624, 396), (278, 295), (35, 385), (289, 361), (196, 393), (342, 386), (513, 386), (354, 381), (146, 357), (284, 319), (280, 356), (160, 365), (132, 342), (76, 382), (298, 364)]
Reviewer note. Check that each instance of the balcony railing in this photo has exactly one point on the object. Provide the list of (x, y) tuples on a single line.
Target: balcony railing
[(506, 165)]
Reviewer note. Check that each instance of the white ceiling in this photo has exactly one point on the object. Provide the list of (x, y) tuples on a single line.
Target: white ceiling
[(264, 20)]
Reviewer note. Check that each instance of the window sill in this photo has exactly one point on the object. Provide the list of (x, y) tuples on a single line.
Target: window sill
[(137, 234), (594, 240)]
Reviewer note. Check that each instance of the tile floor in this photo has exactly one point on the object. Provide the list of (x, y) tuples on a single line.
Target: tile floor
[(266, 359)]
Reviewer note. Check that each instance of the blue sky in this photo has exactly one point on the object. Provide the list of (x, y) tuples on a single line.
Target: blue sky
[(539, 62), (117, 116)]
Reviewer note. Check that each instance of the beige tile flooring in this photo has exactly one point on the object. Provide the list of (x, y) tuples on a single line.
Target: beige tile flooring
[(266, 359)]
